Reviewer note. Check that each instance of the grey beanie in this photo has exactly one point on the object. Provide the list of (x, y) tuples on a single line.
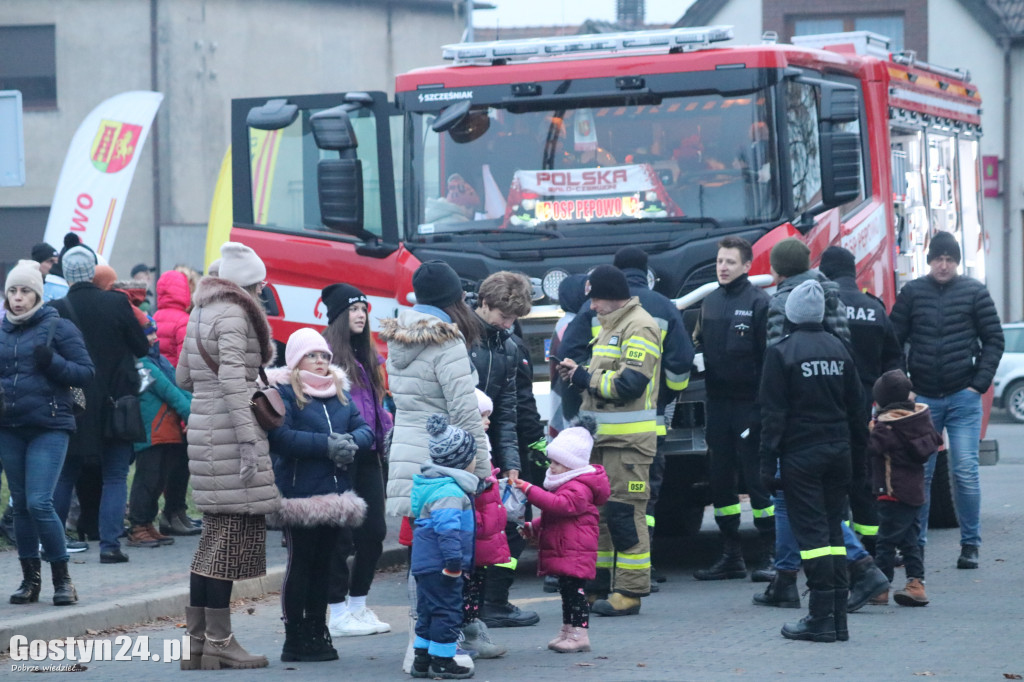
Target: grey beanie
[(78, 264), (806, 303), (449, 445)]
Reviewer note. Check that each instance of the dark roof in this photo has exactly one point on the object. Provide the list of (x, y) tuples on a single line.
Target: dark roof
[(701, 13), (1001, 18)]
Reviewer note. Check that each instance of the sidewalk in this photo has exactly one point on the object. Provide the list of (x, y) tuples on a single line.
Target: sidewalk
[(153, 584)]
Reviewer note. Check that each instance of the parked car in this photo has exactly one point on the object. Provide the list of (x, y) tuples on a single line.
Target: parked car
[(1008, 385)]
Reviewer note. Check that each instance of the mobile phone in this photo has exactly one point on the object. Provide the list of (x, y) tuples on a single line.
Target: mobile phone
[(557, 359)]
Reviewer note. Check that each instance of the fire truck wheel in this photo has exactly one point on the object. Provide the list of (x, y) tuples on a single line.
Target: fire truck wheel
[(942, 513)]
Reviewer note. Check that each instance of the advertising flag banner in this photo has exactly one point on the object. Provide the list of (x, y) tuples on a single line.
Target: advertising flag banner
[(98, 170)]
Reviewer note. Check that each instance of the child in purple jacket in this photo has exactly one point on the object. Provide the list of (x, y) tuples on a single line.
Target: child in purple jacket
[(566, 532)]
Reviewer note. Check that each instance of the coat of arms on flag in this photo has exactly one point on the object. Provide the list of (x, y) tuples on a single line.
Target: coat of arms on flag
[(114, 145)]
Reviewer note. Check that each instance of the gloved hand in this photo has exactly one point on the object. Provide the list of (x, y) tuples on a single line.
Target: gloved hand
[(341, 447), (43, 356), (769, 467), (580, 378), (539, 453), (248, 457)]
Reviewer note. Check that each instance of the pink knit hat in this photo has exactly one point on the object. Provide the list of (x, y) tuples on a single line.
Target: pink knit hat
[(301, 342), (571, 447), (484, 402)]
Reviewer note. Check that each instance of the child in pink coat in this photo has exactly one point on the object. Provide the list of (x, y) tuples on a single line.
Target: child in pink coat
[(566, 533), (490, 547)]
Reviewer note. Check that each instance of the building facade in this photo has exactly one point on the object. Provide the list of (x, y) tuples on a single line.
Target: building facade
[(66, 56)]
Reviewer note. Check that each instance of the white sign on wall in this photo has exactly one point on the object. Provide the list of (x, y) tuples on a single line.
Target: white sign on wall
[(12, 140)]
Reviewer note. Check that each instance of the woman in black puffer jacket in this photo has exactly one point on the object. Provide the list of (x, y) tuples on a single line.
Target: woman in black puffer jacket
[(41, 357)]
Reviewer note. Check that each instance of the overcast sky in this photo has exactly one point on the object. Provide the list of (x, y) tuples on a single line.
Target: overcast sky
[(561, 12)]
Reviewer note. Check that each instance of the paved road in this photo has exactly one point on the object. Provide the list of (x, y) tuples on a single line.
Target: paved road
[(710, 631)]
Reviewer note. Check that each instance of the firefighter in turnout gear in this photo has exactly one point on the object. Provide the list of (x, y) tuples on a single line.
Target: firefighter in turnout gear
[(875, 350), (813, 421), (620, 391), (731, 333), (676, 352)]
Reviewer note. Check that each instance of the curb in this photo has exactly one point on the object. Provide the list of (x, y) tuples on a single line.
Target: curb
[(64, 622)]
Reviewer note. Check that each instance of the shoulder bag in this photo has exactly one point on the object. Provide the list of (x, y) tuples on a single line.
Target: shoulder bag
[(77, 393), (266, 403)]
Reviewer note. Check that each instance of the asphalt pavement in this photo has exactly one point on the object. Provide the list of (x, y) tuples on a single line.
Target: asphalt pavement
[(691, 630)]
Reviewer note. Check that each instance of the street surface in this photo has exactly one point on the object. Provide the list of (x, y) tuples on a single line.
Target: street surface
[(972, 630)]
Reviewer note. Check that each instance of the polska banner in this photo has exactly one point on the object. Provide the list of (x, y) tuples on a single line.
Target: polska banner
[(98, 170)]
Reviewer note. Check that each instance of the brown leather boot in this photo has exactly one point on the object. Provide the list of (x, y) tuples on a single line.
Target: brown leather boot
[(576, 641), (911, 595), (139, 536), (221, 649), (158, 536), (880, 599), (195, 626)]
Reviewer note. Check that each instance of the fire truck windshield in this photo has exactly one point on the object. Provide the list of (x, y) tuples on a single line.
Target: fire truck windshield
[(686, 160)]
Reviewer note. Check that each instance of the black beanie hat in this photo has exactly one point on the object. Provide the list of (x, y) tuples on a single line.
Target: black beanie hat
[(43, 252), (338, 297), (943, 244), (837, 262), (631, 257), (891, 387), (609, 283), (790, 257), (436, 283)]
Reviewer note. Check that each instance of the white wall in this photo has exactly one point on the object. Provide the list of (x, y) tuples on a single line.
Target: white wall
[(955, 39), (746, 19)]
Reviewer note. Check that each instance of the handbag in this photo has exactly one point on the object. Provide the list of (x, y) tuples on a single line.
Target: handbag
[(125, 421), (266, 403), (77, 392)]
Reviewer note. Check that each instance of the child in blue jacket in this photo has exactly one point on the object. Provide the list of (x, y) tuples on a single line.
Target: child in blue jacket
[(321, 433), (442, 547)]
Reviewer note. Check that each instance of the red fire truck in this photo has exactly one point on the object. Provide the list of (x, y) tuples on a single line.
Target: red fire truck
[(546, 156)]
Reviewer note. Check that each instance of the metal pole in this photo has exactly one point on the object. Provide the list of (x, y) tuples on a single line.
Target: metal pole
[(1009, 190), (469, 21), (154, 132)]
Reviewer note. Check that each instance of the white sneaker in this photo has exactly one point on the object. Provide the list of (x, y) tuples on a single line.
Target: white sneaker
[(368, 617), (347, 625)]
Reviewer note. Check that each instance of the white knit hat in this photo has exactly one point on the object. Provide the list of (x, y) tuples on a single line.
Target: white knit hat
[(26, 274), (571, 447), (484, 401), (241, 265)]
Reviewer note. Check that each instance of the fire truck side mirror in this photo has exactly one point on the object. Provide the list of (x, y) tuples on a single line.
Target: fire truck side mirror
[(273, 115), (840, 168), (339, 181)]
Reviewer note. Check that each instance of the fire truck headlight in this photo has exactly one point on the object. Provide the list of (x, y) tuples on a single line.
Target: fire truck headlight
[(552, 280)]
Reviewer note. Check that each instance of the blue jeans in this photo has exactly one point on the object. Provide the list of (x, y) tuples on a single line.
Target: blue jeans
[(960, 414), (33, 459), (787, 551), (116, 458)]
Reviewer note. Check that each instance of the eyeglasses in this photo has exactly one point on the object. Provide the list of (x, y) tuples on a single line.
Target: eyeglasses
[(318, 355)]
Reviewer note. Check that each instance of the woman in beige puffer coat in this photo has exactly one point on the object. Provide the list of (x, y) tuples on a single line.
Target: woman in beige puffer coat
[(229, 457)]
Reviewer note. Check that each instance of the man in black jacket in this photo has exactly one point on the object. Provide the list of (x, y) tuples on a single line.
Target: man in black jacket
[(812, 422), (956, 340), (114, 340), (875, 350), (503, 298), (731, 333)]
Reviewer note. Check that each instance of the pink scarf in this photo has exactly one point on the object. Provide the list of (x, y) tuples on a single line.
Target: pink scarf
[(553, 481), (317, 386)]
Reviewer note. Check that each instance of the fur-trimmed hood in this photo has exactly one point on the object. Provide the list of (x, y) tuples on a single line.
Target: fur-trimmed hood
[(214, 289), (346, 510), (412, 331), (280, 376)]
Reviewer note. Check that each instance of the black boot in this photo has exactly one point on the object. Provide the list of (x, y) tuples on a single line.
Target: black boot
[(839, 613), (968, 556), (64, 593), (292, 649), (420, 664), (819, 625), (781, 592), (729, 566), (866, 581), (319, 646), (765, 571), (31, 581), (447, 669), (497, 612)]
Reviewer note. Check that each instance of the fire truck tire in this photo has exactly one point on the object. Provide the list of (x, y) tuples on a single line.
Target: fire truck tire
[(942, 513)]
